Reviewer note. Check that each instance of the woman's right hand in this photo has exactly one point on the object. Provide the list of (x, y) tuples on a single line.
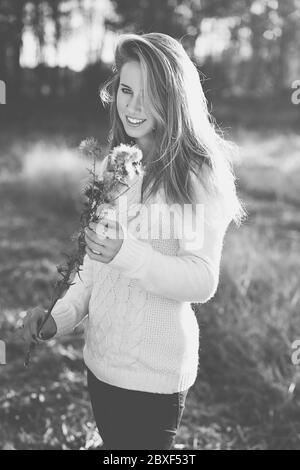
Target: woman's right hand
[(31, 323)]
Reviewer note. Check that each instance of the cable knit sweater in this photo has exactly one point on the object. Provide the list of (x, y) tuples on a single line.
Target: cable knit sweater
[(141, 332)]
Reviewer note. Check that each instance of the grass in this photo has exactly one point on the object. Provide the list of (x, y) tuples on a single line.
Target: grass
[(243, 398)]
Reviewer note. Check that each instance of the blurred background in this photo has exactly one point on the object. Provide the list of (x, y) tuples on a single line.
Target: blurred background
[(54, 55)]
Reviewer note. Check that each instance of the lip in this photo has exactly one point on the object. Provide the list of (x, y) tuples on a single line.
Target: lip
[(139, 119)]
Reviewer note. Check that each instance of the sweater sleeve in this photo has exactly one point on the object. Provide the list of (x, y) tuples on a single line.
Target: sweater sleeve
[(73, 307), (190, 276)]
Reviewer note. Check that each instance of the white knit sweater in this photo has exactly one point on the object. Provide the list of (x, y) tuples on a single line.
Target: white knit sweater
[(141, 332)]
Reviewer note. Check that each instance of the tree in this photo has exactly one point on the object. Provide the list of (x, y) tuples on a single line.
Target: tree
[(15, 15), (11, 28), (180, 19)]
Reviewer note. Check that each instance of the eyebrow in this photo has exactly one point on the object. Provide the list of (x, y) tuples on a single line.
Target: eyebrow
[(123, 84)]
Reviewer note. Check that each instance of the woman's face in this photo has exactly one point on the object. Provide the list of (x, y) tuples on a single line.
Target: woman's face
[(130, 105)]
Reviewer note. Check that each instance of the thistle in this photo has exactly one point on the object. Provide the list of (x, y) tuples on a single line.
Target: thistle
[(124, 169)]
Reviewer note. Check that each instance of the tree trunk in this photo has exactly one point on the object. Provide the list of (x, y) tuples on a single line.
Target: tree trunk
[(17, 45)]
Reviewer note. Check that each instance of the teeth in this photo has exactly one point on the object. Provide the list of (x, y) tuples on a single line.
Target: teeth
[(135, 121)]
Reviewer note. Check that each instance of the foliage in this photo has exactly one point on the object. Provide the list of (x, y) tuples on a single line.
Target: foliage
[(258, 42)]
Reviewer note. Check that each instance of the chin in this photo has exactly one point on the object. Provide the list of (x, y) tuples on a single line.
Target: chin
[(137, 132)]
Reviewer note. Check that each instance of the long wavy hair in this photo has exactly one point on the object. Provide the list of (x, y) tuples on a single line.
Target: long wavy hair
[(186, 139)]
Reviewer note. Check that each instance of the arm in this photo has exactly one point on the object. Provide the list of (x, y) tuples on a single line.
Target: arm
[(72, 308), (192, 275)]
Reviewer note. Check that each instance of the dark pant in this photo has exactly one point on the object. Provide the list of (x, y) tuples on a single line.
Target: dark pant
[(131, 419)]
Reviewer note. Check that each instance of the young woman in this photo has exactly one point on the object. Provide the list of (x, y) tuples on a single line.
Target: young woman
[(142, 336)]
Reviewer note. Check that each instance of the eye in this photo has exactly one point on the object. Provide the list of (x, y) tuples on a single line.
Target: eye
[(125, 90)]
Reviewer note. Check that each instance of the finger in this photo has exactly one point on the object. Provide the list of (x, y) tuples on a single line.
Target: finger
[(104, 232), (94, 241), (105, 206), (109, 230), (103, 258), (114, 225), (94, 236), (106, 210), (108, 222), (105, 215), (89, 235), (91, 226), (91, 254), (95, 246)]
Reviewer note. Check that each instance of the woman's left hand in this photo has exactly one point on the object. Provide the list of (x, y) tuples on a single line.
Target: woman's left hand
[(103, 240)]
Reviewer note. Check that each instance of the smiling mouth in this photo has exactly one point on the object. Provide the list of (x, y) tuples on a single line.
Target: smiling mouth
[(134, 122)]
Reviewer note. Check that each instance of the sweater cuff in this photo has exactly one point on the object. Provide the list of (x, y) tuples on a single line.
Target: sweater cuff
[(133, 256), (64, 316)]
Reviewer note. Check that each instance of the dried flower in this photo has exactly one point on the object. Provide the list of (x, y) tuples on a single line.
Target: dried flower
[(124, 169)]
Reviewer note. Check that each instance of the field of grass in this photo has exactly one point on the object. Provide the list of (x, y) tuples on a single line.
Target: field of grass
[(247, 395)]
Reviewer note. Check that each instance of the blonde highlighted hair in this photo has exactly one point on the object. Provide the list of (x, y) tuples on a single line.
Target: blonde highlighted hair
[(186, 140)]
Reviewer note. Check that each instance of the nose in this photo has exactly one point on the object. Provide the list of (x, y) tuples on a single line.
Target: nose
[(134, 104)]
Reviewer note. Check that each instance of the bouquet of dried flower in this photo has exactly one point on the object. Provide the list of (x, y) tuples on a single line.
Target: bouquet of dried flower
[(123, 171)]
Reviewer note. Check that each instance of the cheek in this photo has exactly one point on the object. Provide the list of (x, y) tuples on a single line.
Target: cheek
[(149, 126), (150, 123)]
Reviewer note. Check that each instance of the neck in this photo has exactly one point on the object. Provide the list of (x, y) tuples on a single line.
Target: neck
[(145, 147)]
